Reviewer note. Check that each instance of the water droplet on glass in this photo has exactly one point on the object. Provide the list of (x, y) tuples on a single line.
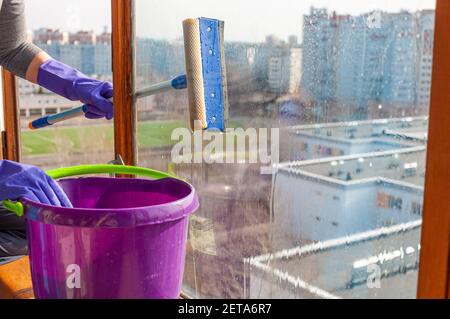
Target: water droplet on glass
[(210, 51)]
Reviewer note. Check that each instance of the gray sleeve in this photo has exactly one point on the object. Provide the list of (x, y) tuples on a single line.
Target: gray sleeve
[(16, 53)]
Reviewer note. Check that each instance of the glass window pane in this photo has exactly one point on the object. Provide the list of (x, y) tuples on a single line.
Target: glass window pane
[(70, 36), (342, 90)]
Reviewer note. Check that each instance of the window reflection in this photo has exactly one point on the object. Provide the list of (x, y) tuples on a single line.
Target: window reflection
[(341, 217)]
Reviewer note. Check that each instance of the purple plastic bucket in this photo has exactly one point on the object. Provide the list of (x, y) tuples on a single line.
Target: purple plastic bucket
[(124, 238)]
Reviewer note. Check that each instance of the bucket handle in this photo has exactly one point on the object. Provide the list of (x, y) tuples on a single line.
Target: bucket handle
[(105, 169), (62, 172)]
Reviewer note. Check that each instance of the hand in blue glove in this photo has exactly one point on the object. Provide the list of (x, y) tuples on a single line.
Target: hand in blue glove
[(25, 181), (74, 85)]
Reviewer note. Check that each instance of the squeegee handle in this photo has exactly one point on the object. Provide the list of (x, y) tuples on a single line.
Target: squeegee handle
[(178, 83), (59, 117)]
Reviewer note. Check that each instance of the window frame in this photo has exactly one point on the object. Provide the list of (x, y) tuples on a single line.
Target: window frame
[(125, 118), (434, 269), (10, 137), (434, 265)]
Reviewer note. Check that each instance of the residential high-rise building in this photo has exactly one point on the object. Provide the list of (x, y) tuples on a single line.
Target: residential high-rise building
[(84, 50), (102, 59), (426, 26), (359, 65), (284, 70), (46, 36), (293, 41), (401, 60), (319, 57), (82, 37), (79, 56), (104, 37), (353, 62)]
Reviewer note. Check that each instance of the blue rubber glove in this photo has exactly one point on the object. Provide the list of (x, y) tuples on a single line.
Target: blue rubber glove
[(25, 181), (74, 85)]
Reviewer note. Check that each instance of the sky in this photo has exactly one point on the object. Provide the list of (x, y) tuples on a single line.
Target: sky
[(245, 20)]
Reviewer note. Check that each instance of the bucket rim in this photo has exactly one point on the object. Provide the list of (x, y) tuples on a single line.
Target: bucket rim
[(25, 200), (66, 216)]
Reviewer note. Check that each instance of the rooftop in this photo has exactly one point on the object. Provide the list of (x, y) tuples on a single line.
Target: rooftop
[(353, 131), (339, 268), (403, 165), (401, 160)]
